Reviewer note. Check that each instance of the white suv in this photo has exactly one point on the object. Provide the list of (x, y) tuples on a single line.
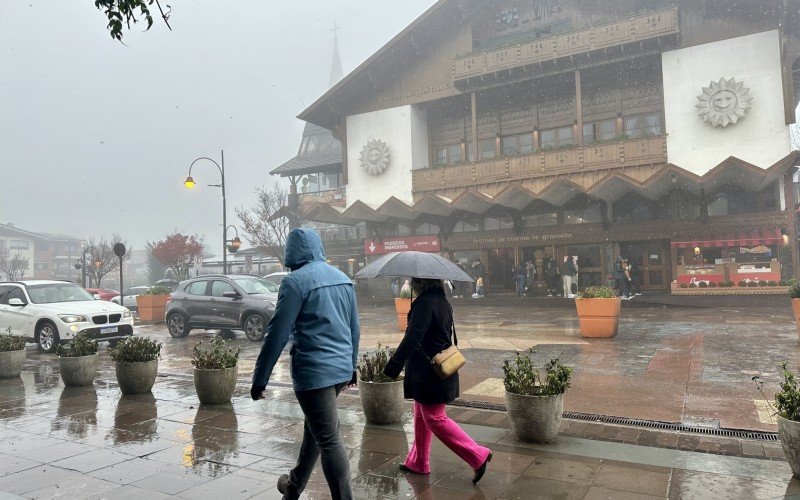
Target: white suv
[(46, 312)]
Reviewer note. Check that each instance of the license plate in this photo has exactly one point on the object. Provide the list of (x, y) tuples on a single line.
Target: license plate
[(111, 329)]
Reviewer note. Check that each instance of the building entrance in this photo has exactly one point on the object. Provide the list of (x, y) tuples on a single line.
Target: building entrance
[(537, 257), (651, 259), (500, 272)]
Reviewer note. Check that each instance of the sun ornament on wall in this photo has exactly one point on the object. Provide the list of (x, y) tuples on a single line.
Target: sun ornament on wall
[(722, 103), (375, 157)]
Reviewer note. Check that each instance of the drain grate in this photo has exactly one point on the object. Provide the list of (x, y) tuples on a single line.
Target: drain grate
[(633, 422)]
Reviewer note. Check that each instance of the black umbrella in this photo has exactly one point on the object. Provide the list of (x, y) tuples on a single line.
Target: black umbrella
[(414, 265)]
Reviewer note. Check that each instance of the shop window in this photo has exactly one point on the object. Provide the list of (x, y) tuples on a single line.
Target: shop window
[(441, 156), (453, 154), (557, 137), (486, 149), (466, 226), (719, 205), (587, 215), (605, 130), (648, 125), (497, 223), (403, 229), (517, 144), (425, 228), (540, 220), (633, 208)]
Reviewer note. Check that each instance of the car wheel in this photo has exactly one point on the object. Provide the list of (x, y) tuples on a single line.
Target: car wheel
[(178, 325), (254, 327), (47, 337)]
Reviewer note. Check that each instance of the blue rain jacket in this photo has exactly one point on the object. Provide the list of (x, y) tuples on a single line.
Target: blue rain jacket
[(317, 305)]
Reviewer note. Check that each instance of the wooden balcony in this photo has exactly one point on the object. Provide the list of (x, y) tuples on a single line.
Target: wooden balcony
[(600, 37), (552, 163)]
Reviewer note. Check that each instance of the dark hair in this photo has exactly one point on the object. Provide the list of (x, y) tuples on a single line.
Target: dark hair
[(420, 285)]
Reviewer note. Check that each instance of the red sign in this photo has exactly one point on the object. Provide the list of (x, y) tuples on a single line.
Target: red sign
[(403, 244)]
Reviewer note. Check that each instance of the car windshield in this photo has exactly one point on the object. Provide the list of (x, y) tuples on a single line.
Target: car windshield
[(256, 285), (57, 292)]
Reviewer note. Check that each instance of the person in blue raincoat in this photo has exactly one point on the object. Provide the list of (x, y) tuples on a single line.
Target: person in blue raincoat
[(317, 304)]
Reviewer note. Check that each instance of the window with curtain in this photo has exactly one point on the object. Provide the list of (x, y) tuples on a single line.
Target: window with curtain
[(600, 131), (648, 125), (557, 137)]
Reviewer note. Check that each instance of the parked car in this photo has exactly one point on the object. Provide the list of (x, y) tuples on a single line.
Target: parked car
[(167, 283), (49, 312), (276, 277), (129, 296), (104, 293), (226, 302)]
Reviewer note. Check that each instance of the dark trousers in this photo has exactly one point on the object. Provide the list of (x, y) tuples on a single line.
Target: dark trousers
[(622, 287), (321, 437)]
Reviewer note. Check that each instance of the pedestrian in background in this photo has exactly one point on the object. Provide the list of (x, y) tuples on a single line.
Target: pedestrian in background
[(395, 286), (569, 272), (317, 303), (430, 330)]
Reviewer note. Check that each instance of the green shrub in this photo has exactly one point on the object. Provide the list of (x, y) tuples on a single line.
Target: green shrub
[(215, 357), (683, 285), (10, 342), (158, 290), (742, 283), (794, 290), (135, 350), (787, 401), (597, 292), (81, 345), (405, 294), (702, 284), (712, 284), (522, 377), (371, 365), (729, 284), (783, 283), (772, 283), (753, 284)]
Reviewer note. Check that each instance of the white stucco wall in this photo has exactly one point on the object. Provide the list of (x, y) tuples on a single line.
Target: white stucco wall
[(761, 137), (405, 131)]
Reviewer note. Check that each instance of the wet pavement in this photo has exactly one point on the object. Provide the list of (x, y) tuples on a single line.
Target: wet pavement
[(675, 364), (95, 443)]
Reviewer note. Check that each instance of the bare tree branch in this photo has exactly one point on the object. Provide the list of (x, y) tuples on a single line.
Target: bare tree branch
[(102, 259), (13, 267), (262, 228)]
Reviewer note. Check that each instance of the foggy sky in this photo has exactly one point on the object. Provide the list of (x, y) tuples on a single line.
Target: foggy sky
[(96, 137)]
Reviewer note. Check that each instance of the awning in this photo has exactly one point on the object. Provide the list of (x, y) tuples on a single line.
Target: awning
[(741, 239)]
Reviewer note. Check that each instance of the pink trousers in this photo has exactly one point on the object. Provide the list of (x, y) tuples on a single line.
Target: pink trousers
[(431, 420)]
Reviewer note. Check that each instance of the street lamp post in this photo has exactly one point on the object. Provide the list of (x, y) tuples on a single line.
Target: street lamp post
[(189, 183)]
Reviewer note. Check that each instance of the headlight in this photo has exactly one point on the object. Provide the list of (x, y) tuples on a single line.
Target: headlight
[(126, 314), (72, 318)]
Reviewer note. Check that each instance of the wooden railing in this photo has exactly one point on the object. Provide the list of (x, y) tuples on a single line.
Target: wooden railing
[(602, 36), (605, 156)]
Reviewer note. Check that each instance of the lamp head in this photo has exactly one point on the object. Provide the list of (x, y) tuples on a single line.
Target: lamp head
[(236, 243), (189, 182)]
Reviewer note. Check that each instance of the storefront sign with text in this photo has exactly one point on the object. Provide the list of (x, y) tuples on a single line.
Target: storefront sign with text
[(536, 238), (417, 243)]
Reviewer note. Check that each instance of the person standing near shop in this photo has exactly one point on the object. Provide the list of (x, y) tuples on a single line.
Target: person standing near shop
[(621, 278), (317, 304), (568, 272), (551, 272), (522, 274)]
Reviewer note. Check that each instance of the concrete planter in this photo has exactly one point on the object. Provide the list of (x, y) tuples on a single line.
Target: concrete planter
[(789, 432), (78, 371), (215, 387), (599, 318), (535, 419), (382, 401), (152, 307), (11, 363), (401, 307), (137, 378)]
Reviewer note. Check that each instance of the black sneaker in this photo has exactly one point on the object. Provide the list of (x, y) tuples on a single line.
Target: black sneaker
[(282, 482)]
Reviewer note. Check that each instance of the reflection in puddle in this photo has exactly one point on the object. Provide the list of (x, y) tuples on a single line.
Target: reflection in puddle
[(77, 411), (140, 410), (12, 398)]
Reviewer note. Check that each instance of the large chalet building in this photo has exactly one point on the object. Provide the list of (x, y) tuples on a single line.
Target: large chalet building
[(507, 132)]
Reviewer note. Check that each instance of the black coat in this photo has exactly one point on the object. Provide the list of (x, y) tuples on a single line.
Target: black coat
[(429, 330)]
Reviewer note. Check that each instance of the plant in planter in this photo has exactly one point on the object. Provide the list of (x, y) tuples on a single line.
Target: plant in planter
[(742, 283), (534, 404), (772, 283), (136, 364), (598, 311), (702, 284), (77, 361), (402, 304), (712, 284), (381, 396), (215, 371), (787, 409), (153, 303), (12, 354)]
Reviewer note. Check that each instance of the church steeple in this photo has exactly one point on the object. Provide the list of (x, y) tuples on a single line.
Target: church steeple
[(336, 64)]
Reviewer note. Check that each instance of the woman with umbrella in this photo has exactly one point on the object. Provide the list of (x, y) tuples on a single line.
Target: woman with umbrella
[(430, 330)]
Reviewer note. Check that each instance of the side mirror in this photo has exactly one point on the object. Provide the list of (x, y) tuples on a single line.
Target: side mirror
[(17, 302), (231, 295), (96, 296)]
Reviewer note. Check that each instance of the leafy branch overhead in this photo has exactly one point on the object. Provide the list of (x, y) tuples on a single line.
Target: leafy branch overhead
[(123, 13)]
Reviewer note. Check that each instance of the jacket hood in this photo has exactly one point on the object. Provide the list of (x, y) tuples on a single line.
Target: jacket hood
[(303, 246)]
